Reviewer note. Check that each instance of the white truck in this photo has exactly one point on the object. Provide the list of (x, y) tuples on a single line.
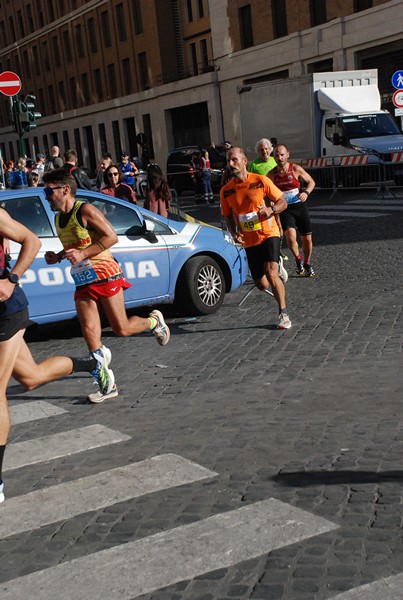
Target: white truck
[(321, 115)]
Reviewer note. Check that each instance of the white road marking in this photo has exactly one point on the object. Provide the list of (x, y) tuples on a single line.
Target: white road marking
[(143, 566), (390, 588), (67, 500), (32, 411), (60, 444)]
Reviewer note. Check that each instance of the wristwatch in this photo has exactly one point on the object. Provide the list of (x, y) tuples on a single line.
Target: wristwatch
[(274, 209), (13, 277)]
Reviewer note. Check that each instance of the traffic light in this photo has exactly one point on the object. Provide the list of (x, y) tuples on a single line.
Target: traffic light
[(27, 113)]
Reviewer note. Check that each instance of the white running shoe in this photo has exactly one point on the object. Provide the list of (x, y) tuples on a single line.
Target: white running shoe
[(282, 271), (102, 374), (2, 497), (107, 354), (284, 321), (98, 397), (161, 331)]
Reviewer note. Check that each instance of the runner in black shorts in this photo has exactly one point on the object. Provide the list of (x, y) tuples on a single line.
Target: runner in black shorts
[(288, 177)]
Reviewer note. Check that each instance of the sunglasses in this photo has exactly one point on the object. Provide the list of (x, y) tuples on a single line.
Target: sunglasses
[(49, 190), (114, 174)]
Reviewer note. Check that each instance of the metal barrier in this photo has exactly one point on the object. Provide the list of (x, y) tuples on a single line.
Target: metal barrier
[(357, 172)]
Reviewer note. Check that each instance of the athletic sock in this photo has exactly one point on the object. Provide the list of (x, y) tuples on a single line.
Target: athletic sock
[(284, 310), (153, 323), (299, 257), (83, 363)]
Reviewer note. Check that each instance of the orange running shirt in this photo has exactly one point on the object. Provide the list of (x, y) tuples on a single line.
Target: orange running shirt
[(243, 200)]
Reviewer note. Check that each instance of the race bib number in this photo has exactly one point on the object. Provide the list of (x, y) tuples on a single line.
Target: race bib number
[(250, 222), (292, 196), (83, 272)]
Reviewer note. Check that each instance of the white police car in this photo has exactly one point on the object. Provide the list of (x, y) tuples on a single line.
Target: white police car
[(164, 260)]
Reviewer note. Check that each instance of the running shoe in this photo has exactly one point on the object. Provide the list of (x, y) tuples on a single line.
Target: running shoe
[(108, 355), (309, 272), (283, 321), (161, 331), (299, 267), (98, 397), (282, 271), (102, 374), (2, 498), (283, 256)]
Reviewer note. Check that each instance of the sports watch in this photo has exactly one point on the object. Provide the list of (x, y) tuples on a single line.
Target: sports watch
[(13, 277)]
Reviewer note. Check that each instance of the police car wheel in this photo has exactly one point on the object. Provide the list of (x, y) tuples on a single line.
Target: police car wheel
[(201, 286)]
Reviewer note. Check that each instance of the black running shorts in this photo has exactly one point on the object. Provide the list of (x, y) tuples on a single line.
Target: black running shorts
[(267, 251), (296, 216), (11, 324)]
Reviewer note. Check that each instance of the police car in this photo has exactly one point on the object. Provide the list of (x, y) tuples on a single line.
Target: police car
[(166, 261)]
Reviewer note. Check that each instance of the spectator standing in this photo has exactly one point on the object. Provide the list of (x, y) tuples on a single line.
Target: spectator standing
[(105, 162), (129, 169), (264, 161), (70, 166), (196, 170), (206, 178), (114, 186), (288, 176), (40, 166), (32, 179), (55, 161), (158, 196), (8, 167), (248, 204)]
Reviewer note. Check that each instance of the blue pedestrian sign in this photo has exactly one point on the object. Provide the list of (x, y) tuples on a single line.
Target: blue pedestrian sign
[(397, 80)]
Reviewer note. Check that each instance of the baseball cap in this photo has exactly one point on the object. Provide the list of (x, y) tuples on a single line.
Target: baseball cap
[(123, 154), (40, 156)]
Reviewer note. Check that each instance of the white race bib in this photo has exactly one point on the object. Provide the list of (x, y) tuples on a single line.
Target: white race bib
[(83, 272), (292, 196), (250, 222)]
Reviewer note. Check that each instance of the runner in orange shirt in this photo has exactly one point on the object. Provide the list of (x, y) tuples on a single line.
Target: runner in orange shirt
[(248, 203)]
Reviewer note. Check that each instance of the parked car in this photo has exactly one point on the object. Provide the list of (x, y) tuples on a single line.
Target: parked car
[(165, 261), (179, 171)]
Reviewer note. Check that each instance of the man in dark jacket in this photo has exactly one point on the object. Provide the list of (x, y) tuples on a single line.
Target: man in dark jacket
[(70, 165)]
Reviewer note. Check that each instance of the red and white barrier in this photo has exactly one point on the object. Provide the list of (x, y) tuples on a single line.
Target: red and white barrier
[(397, 157), (361, 159)]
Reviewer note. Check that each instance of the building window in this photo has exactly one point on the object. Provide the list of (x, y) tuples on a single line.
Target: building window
[(77, 141), (11, 29), (62, 99), (27, 64), (138, 17), (127, 77), (66, 140), (85, 88), (30, 19), (51, 98), (189, 11), (200, 8), (98, 84), (67, 46), (106, 32), (41, 19), (121, 25), (204, 54), (193, 59), (92, 35), (79, 41), (116, 138), (73, 90), (20, 21), (55, 50), (51, 13), (279, 18), (245, 24), (360, 5), (37, 64), (3, 34), (318, 12), (149, 135), (112, 80), (143, 69), (45, 56)]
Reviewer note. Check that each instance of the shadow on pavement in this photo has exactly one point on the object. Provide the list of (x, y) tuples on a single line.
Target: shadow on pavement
[(308, 478)]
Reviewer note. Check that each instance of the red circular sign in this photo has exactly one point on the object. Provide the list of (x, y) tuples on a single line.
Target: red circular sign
[(398, 98), (10, 83)]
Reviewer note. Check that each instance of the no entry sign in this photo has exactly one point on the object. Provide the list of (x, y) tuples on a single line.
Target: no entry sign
[(10, 83)]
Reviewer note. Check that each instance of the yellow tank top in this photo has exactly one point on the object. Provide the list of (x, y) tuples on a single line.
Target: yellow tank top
[(74, 235)]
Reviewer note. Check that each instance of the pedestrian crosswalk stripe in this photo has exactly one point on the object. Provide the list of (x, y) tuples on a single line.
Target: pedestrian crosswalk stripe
[(143, 566), (57, 445), (389, 588), (32, 411), (67, 500)]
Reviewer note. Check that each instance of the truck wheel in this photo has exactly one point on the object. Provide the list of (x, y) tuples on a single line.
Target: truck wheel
[(201, 286)]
